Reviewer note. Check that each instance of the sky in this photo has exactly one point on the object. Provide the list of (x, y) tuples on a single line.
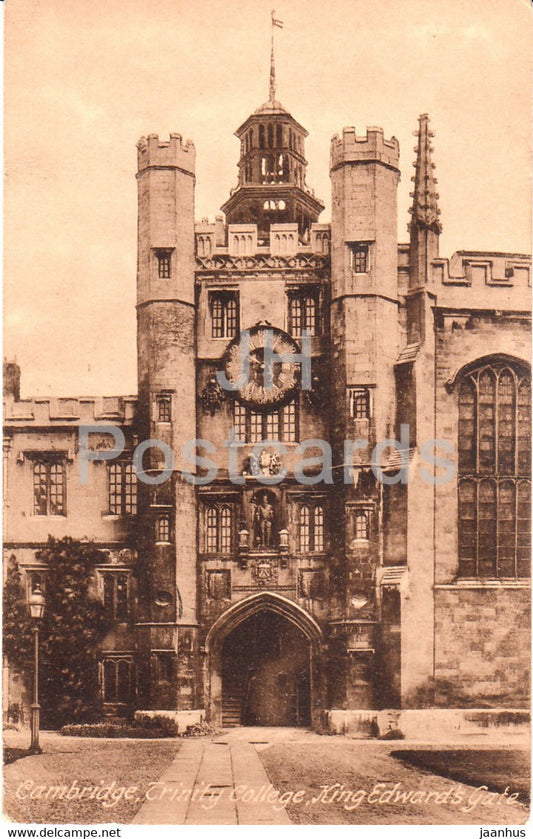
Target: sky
[(84, 80)]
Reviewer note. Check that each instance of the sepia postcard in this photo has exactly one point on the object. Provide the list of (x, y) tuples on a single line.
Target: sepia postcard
[(267, 415)]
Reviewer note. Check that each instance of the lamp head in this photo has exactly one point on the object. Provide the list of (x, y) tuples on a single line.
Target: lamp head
[(36, 602)]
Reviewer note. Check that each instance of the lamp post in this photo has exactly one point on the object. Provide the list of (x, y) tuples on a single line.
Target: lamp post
[(36, 607)]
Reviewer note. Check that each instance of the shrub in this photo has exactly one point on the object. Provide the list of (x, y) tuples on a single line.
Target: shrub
[(161, 726), (141, 728), (199, 729), (392, 734)]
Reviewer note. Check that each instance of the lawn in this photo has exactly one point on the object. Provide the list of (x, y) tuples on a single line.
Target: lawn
[(88, 763), (495, 768), (355, 782)]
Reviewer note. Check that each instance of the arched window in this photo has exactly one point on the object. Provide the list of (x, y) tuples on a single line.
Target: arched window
[(211, 529), (224, 312), (311, 528), (279, 135), (303, 312), (162, 528), (319, 529), (310, 315), (216, 315), (117, 680), (304, 530), (270, 136), (116, 599), (322, 243), (261, 136), (225, 530), (295, 315), (493, 475), (218, 530)]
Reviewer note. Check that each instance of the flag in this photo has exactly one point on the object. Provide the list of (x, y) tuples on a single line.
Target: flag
[(276, 22)]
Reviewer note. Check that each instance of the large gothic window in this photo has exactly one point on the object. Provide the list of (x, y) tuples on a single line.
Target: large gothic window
[(494, 472)]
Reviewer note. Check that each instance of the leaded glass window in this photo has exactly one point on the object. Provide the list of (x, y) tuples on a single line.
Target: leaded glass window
[(494, 468)]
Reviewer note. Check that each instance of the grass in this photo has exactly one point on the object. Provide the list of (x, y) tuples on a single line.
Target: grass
[(495, 768), (357, 767), (88, 763)]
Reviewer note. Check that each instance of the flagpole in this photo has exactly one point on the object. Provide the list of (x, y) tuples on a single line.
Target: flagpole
[(272, 95), (275, 22)]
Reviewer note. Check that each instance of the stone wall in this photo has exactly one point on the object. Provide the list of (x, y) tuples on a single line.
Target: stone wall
[(482, 653)]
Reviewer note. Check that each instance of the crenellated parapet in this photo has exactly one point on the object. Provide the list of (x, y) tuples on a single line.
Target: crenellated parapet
[(483, 268), (483, 280), (349, 148), (70, 411), (172, 153)]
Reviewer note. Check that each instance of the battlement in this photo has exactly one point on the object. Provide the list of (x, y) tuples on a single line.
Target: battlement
[(373, 147), (483, 280), (118, 410), (152, 152), (473, 269)]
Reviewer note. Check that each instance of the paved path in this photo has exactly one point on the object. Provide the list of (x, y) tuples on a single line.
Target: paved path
[(219, 781)]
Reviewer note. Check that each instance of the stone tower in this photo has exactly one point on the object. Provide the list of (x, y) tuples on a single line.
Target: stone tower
[(166, 371), (364, 348)]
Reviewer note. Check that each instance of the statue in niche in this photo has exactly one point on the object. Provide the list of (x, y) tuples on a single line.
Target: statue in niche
[(263, 521)]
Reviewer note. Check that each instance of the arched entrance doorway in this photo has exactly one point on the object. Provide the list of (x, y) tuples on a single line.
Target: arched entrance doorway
[(261, 663), (266, 673)]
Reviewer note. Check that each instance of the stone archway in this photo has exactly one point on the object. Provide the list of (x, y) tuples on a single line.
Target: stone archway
[(261, 663)]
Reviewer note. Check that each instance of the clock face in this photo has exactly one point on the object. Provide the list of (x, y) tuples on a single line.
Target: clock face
[(284, 375)]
